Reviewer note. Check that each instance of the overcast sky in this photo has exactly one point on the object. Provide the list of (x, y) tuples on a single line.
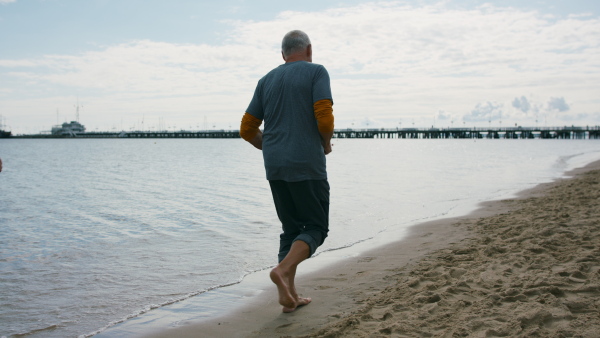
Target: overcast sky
[(134, 64)]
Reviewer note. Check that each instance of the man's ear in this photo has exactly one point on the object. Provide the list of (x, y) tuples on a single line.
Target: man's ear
[(283, 56)]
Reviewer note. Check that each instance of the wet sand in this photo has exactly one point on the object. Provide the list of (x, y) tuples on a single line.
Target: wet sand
[(528, 266)]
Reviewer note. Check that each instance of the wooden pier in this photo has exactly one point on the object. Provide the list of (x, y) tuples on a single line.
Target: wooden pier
[(475, 133), (398, 133)]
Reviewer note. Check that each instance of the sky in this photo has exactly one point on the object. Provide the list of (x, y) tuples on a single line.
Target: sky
[(193, 65)]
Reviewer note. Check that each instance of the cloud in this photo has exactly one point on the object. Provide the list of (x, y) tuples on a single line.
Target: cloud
[(146, 76), (580, 118), (443, 115), (147, 66), (387, 60), (521, 103), (4, 2), (419, 60), (487, 111), (558, 104)]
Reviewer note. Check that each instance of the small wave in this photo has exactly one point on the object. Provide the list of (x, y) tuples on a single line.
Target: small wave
[(569, 162), (48, 328), (170, 302), (562, 161)]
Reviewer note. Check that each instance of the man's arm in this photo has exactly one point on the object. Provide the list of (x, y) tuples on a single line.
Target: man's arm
[(256, 141), (249, 130), (324, 114)]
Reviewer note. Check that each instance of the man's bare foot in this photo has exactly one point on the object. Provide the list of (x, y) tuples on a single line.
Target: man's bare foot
[(301, 302), (285, 296)]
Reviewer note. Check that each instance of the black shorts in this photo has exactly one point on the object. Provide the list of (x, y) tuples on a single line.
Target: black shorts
[(303, 209)]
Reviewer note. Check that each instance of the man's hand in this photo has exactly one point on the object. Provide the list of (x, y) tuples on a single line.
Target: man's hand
[(327, 147), (256, 141)]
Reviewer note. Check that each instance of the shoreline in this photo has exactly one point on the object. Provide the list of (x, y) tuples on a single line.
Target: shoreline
[(451, 276)]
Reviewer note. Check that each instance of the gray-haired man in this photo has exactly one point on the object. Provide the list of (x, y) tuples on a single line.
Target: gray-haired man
[(295, 102)]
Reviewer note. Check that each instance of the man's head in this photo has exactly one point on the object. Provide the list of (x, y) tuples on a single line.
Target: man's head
[(296, 47)]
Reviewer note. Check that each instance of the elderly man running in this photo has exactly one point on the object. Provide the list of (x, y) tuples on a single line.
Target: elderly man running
[(295, 102)]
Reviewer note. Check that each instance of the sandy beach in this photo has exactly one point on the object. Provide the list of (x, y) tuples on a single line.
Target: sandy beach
[(528, 266)]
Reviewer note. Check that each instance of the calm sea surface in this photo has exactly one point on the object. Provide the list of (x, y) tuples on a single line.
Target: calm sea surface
[(94, 232)]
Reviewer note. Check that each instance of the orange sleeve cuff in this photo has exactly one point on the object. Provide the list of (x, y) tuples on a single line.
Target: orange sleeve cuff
[(324, 114), (249, 127)]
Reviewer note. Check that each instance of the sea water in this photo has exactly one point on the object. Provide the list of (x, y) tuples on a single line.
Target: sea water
[(96, 232)]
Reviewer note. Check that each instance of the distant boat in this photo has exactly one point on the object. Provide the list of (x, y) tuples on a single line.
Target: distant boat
[(68, 129)]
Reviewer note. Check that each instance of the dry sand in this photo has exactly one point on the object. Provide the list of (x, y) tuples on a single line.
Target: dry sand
[(528, 266)]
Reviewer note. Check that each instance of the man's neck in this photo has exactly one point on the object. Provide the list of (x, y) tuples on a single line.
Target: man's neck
[(294, 58), (305, 55)]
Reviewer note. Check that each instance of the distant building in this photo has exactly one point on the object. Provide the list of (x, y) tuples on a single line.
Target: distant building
[(68, 129)]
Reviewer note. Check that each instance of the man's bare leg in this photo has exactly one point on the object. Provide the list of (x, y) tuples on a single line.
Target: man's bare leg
[(284, 273), (299, 300)]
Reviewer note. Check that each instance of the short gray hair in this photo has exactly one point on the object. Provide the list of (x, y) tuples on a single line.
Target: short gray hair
[(293, 42)]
